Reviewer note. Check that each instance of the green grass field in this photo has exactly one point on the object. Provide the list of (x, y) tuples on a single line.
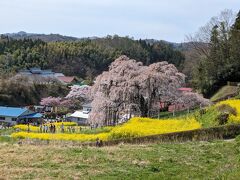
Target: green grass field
[(196, 160)]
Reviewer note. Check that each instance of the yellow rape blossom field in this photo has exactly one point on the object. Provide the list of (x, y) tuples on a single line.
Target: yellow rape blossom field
[(61, 136), (24, 127), (135, 127)]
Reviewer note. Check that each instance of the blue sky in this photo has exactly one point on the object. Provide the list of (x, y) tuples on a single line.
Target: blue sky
[(169, 20)]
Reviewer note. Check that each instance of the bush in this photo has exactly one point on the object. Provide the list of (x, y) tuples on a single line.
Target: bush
[(225, 108), (222, 118), (225, 111), (202, 111)]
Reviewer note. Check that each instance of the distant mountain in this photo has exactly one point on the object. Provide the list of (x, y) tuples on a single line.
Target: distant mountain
[(43, 37), (58, 38), (176, 46)]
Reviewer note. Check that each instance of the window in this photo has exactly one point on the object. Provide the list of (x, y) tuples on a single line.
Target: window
[(14, 119), (2, 118)]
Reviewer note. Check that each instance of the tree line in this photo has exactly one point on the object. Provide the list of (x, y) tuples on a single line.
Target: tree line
[(86, 58), (218, 53)]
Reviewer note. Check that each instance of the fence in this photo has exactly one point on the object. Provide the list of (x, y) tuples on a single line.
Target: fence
[(167, 114), (229, 83)]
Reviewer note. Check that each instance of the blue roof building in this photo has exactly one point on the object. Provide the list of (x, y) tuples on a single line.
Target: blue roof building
[(14, 115)]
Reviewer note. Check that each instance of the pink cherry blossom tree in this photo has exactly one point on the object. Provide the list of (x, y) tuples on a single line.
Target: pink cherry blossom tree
[(131, 87), (78, 92), (51, 101)]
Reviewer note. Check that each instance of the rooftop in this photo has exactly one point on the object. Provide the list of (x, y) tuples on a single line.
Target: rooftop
[(80, 114), (11, 111), (185, 89), (66, 79)]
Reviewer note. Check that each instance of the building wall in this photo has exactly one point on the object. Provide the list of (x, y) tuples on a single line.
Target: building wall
[(9, 120), (79, 121), (86, 108)]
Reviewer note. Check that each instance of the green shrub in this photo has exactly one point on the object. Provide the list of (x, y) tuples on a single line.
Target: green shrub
[(225, 108), (224, 111), (222, 118), (202, 111)]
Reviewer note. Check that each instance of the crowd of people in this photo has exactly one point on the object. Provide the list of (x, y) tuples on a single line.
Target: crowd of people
[(44, 128), (52, 128)]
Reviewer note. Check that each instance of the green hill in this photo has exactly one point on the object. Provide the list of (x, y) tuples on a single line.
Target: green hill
[(225, 92)]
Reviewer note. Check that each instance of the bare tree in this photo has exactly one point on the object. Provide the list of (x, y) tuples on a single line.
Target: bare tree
[(199, 42)]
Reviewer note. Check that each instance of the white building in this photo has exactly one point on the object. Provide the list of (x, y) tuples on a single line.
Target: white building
[(81, 116)]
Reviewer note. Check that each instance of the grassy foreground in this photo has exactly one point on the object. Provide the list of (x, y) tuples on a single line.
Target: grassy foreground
[(198, 160)]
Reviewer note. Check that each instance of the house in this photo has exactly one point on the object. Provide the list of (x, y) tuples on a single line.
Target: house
[(81, 116), (37, 72), (67, 79), (39, 76), (184, 89), (178, 106), (14, 115)]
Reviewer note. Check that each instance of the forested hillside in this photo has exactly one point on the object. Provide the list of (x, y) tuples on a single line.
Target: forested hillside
[(214, 57), (44, 37), (86, 58), (21, 93)]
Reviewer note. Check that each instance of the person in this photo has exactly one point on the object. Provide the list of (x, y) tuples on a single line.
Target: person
[(46, 128), (69, 129), (40, 127), (54, 128), (62, 128), (100, 143), (73, 129), (97, 142), (28, 127), (51, 128)]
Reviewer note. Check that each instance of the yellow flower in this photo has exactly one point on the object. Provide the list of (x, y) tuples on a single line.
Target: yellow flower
[(136, 127), (234, 103), (67, 137), (24, 127)]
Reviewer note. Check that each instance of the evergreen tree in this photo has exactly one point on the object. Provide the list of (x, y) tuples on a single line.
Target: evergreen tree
[(235, 45)]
